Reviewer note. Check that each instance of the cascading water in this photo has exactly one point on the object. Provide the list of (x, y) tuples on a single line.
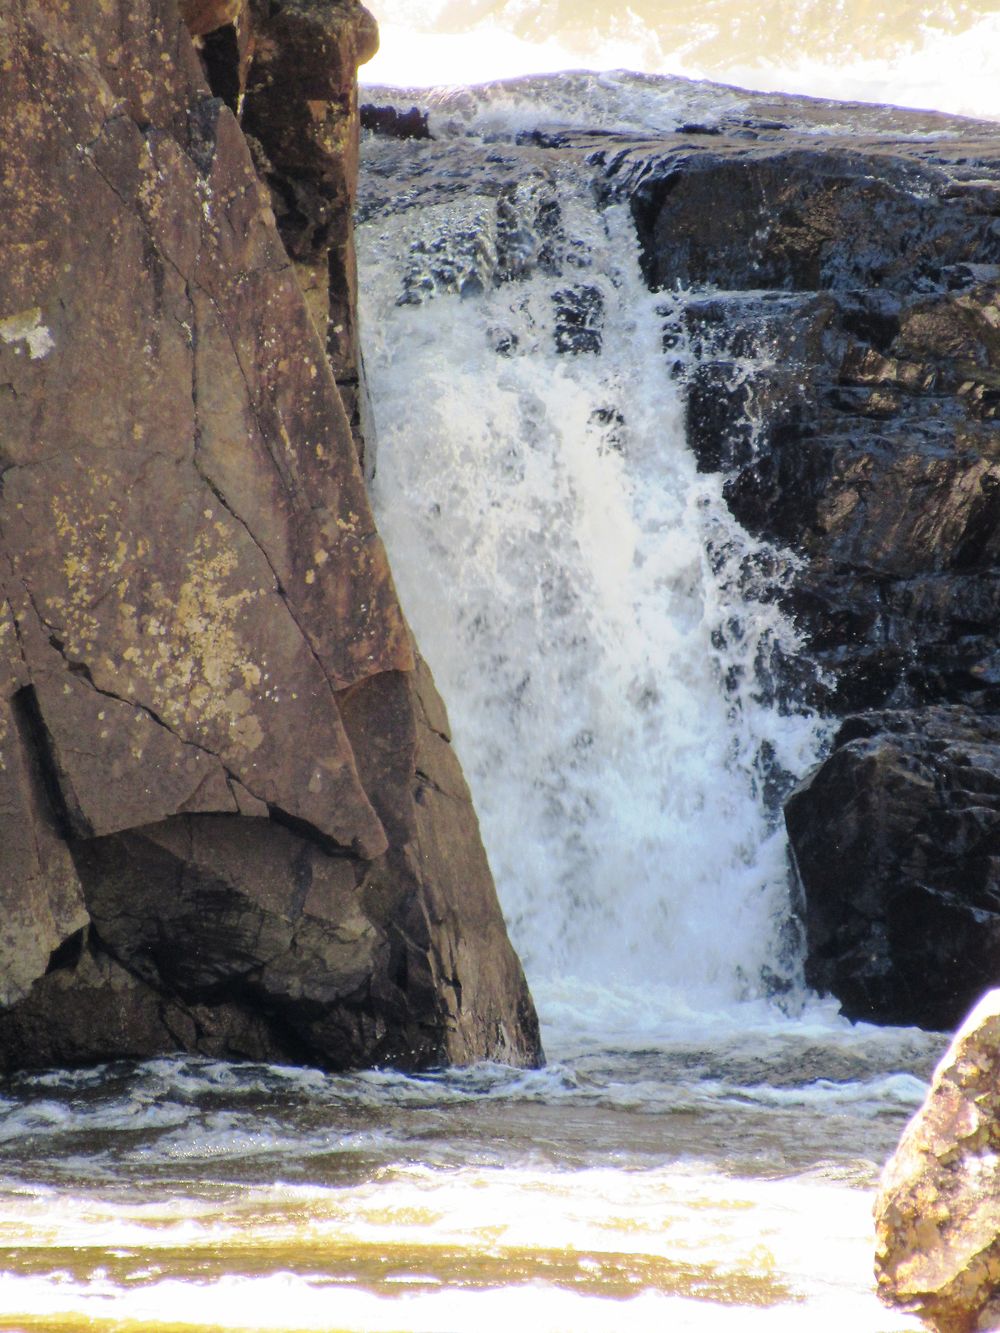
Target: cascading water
[(595, 617)]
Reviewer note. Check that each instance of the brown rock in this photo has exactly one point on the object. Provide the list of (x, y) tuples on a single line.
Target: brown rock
[(301, 113), (937, 1214), (208, 718), (204, 16)]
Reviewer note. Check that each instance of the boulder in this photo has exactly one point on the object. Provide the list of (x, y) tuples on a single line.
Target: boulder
[(227, 818), (896, 838), (937, 1213)]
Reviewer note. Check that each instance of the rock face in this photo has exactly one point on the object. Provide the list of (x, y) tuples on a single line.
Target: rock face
[(897, 837), (232, 819), (848, 385), (937, 1214)]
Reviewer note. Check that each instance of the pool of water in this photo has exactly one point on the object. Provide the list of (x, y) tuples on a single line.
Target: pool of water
[(716, 1175)]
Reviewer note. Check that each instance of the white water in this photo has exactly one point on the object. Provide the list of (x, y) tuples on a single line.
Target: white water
[(696, 1186), (583, 595)]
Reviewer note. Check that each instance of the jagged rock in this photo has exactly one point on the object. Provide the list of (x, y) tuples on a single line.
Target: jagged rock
[(848, 383), (211, 725), (897, 841), (307, 148), (937, 1214)]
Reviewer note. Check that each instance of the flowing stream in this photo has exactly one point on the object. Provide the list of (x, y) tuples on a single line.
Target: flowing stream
[(701, 1150)]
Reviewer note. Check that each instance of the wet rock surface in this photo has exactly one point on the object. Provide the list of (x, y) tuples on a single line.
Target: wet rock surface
[(847, 382), (897, 839), (215, 749), (937, 1214)]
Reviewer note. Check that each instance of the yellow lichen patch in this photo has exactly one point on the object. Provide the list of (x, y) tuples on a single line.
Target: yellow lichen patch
[(182, 644)]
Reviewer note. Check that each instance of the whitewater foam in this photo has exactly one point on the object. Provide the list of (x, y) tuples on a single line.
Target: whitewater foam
[(602, 646), (943, 59)]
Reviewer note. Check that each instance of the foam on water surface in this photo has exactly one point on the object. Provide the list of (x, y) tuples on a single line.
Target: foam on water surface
[(596, 1249)]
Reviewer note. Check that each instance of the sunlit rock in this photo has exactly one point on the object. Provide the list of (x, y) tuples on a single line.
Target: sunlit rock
[(937, 1214)]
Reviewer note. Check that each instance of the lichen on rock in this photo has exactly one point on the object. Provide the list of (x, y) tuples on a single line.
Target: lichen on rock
[(195, 595)]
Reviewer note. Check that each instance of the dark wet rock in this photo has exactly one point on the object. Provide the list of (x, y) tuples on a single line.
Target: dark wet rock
[(395, 124), (848, 345), (579, 312), (215, 772), (842, 305), (897, 842)]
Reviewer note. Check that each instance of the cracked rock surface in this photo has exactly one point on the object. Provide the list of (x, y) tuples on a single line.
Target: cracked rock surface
[(221, 828)]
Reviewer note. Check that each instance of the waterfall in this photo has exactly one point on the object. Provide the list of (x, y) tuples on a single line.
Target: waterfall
[(598, 623)]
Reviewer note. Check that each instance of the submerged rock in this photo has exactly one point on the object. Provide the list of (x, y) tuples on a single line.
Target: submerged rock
[(232, 819), (937, 1214)]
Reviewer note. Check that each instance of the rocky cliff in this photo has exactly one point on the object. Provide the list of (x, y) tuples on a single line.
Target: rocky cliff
[(232, 820)]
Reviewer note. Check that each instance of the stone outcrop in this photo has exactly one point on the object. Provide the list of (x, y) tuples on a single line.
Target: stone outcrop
[(843, 307), (232, 819), (897, 838), (937, 1214)]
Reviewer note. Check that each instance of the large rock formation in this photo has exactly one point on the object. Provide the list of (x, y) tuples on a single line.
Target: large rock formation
[(232, 819), (847, 381), (937, 1215)]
